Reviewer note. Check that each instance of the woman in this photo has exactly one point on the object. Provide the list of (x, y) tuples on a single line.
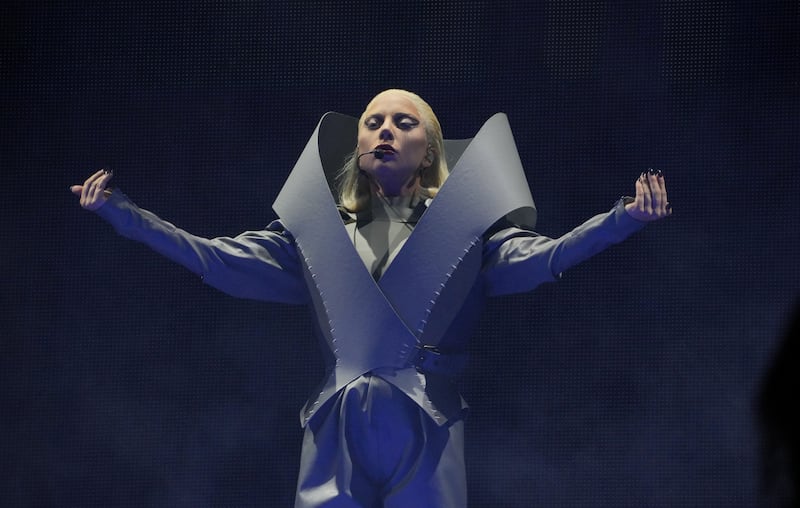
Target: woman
[(386, 427)]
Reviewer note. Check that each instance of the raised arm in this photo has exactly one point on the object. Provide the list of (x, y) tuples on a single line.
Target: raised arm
[(261, 265), (517, 260)]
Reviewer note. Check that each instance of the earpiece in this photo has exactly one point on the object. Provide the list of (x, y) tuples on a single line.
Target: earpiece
[(429, 155)]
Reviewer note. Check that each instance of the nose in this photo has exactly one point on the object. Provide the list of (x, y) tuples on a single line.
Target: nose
[(387, 134)]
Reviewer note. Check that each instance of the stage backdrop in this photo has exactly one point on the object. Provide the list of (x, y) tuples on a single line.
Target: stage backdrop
[(125, 382)]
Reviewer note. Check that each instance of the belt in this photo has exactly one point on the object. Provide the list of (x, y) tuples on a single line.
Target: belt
[(428, 359)]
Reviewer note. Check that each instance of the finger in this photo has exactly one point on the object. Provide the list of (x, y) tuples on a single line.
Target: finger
[(661, 196), (76, 189), (647, 201), (664, 197), (638, 199), (656, 194), (94, 177), (106, 177), (95, 195), (85, 188), (659, 190), (101, 182), (90, 188), (84, 194)]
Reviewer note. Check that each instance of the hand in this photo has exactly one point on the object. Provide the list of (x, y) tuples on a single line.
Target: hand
[(93, 192), (650, 202)]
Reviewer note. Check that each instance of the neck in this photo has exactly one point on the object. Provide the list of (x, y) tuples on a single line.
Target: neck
[(392, 189)]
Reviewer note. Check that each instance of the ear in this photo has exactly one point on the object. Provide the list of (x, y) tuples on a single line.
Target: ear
[(428, 160)]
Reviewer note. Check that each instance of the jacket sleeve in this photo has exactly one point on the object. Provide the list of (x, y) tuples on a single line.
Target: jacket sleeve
[(260, 265), (517, 260)]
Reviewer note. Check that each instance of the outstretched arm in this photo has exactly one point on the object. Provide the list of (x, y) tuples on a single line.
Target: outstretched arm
[(261, 265), (517, 260)]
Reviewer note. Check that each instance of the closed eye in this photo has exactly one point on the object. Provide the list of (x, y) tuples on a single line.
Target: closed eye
[(405, 122), (373, 122)]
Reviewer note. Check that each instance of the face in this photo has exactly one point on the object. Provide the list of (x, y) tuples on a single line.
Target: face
[(392, 123)]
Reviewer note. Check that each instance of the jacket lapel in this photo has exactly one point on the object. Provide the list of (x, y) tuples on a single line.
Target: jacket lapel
[(340, 280), (486, 183)]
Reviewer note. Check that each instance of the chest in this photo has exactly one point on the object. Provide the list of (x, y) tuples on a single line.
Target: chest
[(378, 242)]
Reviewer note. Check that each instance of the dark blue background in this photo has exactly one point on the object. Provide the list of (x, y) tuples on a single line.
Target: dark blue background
[(124, 381)]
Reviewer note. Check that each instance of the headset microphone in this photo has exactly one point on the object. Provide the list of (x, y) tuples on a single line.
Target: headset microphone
[(378, 153)]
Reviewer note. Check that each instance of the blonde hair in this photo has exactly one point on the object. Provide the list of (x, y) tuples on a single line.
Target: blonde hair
[(354, 187)]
